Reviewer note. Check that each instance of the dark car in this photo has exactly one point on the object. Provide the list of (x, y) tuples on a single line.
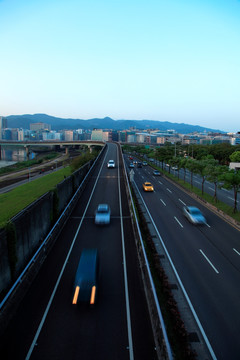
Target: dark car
[(194, 215), (139, 164), (85, 284)]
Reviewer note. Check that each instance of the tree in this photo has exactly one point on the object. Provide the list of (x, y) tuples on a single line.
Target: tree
[(192, 166), (176, 161), (213, 174), (231, 180), (201, 167), (183, 165), (235, 156)]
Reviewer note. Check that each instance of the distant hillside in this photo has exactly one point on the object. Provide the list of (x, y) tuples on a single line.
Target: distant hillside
[(23, 121)]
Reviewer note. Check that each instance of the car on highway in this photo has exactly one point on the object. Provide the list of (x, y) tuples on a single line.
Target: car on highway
[(156, 172), (86, 278), (139, 164), (144, 163), (131, 165), (111, 164), (147, 186), (194, 215), (102, 214)]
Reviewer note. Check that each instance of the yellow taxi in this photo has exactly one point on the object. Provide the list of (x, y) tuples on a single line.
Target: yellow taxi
[(147, 186)]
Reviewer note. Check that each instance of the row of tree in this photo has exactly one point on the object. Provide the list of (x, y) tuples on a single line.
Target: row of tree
[(209, 161)]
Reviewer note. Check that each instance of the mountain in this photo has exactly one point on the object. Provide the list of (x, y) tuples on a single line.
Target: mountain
[(24, 121)]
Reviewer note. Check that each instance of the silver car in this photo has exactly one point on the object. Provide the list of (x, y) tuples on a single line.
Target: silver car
[(102, 214), (194, 215), (111, 164)]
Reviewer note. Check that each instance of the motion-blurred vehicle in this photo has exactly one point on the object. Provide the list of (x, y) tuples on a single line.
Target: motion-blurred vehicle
[(139, 164), (102, 214), (85, 284), (111, 164), (130, 158), (131, 165), (144, 163), (156, 172), (194, 215), (147, 186)]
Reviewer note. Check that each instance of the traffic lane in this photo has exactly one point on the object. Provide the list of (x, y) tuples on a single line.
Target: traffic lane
[(19, 334), (98, 332), (220, 233), (200, 282), (143, 341), (106, 192)]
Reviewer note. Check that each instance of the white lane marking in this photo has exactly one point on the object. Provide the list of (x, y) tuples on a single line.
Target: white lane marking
[(232, 199), (163, 202), (178, 221), (62, 271), (236, 251), (169, 190), (182, 202), (198, 182), (224, 189), (209, 261), (211, 188), (160, 182), (129, 327)]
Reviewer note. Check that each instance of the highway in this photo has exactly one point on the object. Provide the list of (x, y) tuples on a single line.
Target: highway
[(207, 259), (48, 326)]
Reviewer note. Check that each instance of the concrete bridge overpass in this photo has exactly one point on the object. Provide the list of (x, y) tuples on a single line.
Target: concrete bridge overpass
[(55, 144)]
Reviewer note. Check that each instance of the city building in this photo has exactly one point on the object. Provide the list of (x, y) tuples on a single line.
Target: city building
[(3, 125), (40, 126)]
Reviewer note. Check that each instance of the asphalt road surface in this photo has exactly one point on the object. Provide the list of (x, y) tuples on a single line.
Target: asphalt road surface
[(48, 326), (207, 259)]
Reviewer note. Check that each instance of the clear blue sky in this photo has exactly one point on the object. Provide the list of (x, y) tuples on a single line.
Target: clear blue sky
[(168, 60)]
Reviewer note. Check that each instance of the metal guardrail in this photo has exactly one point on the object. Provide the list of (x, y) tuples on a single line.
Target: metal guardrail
[(59, 223), (160, 317)]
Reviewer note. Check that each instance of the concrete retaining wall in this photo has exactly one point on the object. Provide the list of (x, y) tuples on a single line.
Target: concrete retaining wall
[(33, 224)]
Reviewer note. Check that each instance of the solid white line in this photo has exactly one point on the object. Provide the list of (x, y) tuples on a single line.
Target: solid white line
[(178, 221), (131, 355), (225, 189), (232, 199), (236, 251), (182, 202), (61, 272), (209, 261), (163, 202)]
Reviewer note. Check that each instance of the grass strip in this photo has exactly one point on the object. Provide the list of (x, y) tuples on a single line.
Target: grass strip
[(17, 199)]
